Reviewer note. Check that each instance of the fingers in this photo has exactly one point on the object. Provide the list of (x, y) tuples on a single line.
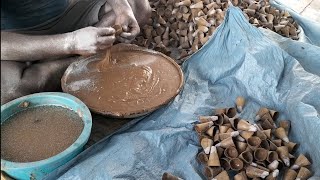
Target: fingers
[(106, 40), (134, 31), (106, 31)]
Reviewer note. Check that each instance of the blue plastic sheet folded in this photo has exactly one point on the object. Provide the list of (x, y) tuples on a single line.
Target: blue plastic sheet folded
[(239, 60)]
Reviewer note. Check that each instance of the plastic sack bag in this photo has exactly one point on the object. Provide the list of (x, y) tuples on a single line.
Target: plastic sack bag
[(238, 60)]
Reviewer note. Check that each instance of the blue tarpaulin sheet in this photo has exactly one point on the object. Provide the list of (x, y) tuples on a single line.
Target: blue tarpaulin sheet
[(239, 60)]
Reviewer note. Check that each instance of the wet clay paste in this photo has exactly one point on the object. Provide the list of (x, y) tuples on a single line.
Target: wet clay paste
[(133, 81)]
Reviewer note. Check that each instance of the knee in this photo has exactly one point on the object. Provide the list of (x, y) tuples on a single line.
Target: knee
[(141, 10)]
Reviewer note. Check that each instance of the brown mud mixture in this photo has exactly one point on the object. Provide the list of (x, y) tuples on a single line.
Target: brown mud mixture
[(39, 133)]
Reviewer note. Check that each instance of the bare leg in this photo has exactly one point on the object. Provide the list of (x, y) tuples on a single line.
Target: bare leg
[(18, 79)]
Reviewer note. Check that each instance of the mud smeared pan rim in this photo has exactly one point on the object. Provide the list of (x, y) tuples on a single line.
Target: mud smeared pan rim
[(122, 48)]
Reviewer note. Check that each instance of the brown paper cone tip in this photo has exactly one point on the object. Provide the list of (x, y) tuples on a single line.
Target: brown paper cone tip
[(286, 124), (210, 131), (223, 129), (246, 134), (220, 111), (202, 158), (224, 136), (300, 162), (206, 144), (303, 174), (284, 155), (241, 146), (168, 176), (213, 157), (253, 172), (281, 134), (268, 117), (244, 125), (290, 175), (267, 133), (204, 119), (274, 165), (203, 126), (226, 143), (260, 154), (231, 152), (277, 142), (261, 112), (220, 151), (183, 3), (236, 164), (246, 156), (240, 101), (241, 176), (222, 176)]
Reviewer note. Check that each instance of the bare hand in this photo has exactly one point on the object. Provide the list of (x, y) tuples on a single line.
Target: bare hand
[(90, 40), (129, 25)]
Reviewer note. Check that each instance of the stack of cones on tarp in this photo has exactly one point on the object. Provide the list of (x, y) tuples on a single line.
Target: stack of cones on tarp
[(253, 151)]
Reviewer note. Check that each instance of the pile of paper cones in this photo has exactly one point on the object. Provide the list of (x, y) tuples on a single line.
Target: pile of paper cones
[(178, 28), (258, 151)]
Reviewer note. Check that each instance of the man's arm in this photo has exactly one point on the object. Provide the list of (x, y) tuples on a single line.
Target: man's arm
[(86, 41)]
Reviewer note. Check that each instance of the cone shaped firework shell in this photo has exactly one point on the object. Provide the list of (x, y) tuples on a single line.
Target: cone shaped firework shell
[(224, 136), (211, 172), (241, 176), (213, 157), (234, 121), (274, 165), (203, 126), (286, 124), (240, 103), (204, 119), (231, 152), (284, 155), (277, 142), (245, 126), (261, 112), (226, 143), (265, 124), (274, 114), (223, 129), (206, 144), (273, 147), (292, 147), (222, 176), (272, 156), (254, 142), (220, 151), (246, 156), (290, 174), (281, 134), (303, 174), (236, 164), (211, 131), (273, 175), (260, 154), (267, 132), (220, 120), (261, 135), (231, 112), (260, 165), (253, 172), (202, 158), (265, 144), (241, 146), (225, 163), (300, 162), (246, 134)]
